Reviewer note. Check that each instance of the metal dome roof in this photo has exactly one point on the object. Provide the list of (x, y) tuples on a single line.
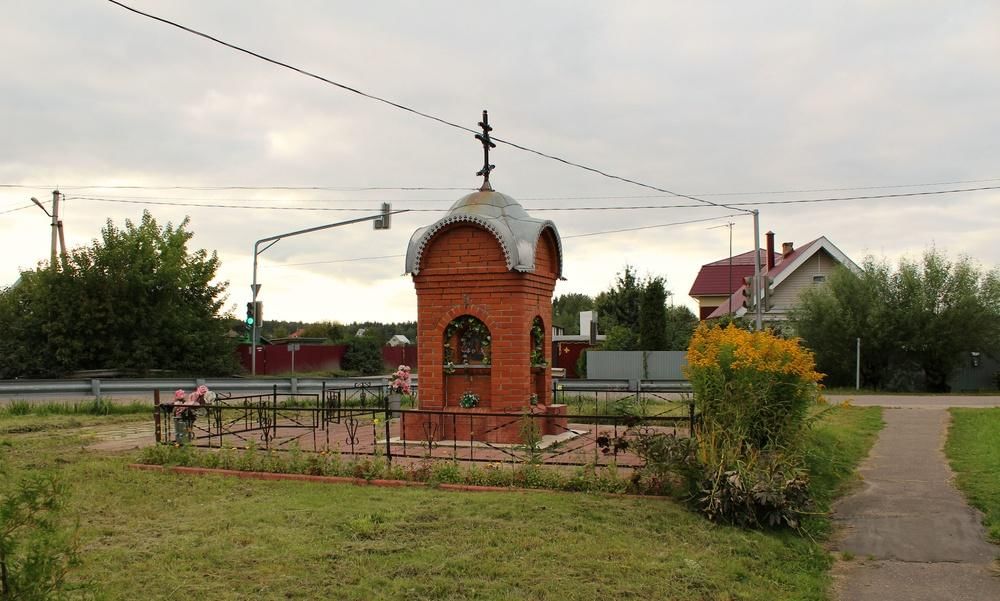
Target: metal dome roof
[(515, 230)]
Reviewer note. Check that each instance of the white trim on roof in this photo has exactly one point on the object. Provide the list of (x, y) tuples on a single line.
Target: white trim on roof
[(813, 248)]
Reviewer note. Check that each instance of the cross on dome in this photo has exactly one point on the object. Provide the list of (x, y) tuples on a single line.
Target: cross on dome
[(487, 144)]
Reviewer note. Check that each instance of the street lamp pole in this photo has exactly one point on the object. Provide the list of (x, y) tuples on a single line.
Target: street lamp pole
[(56, 225), (757, 280), (272, 240)]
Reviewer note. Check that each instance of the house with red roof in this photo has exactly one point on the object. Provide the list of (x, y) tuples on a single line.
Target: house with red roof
[(719, 287)]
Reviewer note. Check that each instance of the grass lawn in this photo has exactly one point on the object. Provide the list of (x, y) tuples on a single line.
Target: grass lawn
[(159, 536), (973, 449)]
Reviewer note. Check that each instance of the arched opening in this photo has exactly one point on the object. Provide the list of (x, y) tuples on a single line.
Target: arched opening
[(538, 342), (467, 341)]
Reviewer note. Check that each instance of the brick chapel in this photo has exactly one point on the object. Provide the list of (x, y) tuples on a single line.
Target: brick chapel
[(484, 276)]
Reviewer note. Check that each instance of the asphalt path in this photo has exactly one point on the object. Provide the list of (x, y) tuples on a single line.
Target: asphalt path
[(907, 534)]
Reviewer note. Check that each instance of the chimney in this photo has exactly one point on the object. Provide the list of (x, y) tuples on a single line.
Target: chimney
[(770, 250), (786, 249)]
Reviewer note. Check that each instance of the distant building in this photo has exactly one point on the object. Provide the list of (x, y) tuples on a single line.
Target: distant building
[(567, 348), (718, 280), (790, 271), (399, 340)]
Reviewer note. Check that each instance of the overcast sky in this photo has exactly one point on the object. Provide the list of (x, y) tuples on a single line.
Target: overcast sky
[(698, 98)]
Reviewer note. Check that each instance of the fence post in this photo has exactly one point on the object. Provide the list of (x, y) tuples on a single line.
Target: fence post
[(691, 418), (156, 416), (274, 411), (388, 446), (322, 401)]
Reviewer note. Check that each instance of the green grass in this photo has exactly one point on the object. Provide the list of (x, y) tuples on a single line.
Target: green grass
[(98, 406), (973, 448), (836, 443), (159, 536)]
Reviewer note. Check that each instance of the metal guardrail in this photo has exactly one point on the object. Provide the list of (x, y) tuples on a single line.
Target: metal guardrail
[(98, 386)]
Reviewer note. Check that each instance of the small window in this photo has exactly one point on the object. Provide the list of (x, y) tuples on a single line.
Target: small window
[(819, 279)]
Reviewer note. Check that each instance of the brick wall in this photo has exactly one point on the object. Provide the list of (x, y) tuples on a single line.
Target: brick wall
[(463, 272)]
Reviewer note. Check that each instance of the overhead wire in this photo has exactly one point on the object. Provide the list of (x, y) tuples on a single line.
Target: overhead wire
[(216, 188), (404, 107), (541, 209), (459, 188), (599, 233), (21, 208)]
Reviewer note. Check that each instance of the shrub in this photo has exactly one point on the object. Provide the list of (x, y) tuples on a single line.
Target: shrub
[(752, 387), (36, 551), (758, 490), (753, 391)]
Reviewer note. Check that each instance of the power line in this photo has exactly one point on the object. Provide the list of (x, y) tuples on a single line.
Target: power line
[(775, 202), (212, 188), (225, 206), (460, 189), (16, 209), (618, 231), (543, 209), (265, 199), (845, 189), (336, 261), (403, 107), (649, 227)]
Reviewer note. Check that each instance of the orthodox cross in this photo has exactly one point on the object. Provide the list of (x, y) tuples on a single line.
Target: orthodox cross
[(487, 144)]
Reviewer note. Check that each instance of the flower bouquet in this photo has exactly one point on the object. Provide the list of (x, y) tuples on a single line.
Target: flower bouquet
[(469, 400), (400, 383)]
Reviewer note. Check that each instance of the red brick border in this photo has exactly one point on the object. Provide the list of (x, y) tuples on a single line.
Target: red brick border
[(206, 471)]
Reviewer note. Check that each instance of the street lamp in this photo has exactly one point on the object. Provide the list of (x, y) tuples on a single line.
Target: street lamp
[(381, 222)]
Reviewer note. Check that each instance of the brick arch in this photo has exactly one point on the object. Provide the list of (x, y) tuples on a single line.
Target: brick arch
[(546, 335), (437, 241), (477, 311), (548, 253)]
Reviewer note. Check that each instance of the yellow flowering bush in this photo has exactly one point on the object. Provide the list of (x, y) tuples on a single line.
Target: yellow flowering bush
[(752, 389)]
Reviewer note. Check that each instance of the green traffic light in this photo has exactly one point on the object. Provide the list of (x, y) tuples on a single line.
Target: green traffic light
[(249, 321)]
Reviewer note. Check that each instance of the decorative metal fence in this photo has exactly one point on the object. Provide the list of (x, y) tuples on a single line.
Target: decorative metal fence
[(363, 420)]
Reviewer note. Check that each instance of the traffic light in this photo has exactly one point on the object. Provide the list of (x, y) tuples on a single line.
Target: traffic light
[(768, 293), (383, 222), (747, 292)]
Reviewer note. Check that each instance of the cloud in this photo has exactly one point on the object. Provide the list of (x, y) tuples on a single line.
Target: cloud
[(693, 98)]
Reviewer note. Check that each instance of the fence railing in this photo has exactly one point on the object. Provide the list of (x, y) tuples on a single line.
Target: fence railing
[(102, 386), (362, 420)]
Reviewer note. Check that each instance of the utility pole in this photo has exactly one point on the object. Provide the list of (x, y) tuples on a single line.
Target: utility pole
[(57, 236), (729, 288), (759, 321)]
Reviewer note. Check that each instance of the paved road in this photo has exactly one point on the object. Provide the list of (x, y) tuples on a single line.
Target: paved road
[(913, 401), (911, 533)]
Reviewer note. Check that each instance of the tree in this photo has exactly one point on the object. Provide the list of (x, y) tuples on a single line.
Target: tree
[(619, 305), (681, 323), (136, 299), (653, 316), (329, 330), (363, 355), (566, 310), (634, 316), (922, 316)]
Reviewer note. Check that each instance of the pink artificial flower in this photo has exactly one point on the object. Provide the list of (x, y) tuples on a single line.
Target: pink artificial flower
[(202, 390), (179, 394)]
